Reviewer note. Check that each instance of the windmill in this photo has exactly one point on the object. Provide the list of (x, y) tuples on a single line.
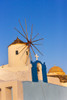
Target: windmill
[(29, 42)]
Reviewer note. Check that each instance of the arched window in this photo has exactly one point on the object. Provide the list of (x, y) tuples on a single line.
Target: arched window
[(39, 71)]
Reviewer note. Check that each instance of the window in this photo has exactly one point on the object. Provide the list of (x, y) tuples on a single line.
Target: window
[(16, 52), (26, 52)]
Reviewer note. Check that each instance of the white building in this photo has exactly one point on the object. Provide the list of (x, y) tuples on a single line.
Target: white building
[(18, 70)]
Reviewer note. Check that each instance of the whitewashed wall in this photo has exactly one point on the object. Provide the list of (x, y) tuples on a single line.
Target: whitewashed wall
[(43, 91), (17, 60)]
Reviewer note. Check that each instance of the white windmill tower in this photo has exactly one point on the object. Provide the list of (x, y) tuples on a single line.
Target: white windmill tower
[(15, 57)]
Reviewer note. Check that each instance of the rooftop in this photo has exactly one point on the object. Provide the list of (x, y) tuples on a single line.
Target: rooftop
[(17, 41)]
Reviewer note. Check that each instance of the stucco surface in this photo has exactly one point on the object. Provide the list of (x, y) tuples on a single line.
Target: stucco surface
[(20, 59), (11, 90), (6, 75), (54, 80), (43, 91)]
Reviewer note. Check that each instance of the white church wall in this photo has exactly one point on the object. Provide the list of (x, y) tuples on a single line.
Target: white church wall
[(64, 84), (43, 91), (54, 80)]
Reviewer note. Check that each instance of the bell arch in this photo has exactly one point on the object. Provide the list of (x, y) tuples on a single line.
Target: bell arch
[(39, 72)]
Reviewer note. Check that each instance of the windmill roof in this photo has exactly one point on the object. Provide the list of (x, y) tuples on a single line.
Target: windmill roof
[(17, 41)]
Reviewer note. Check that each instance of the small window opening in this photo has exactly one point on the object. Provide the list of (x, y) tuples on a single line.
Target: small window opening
[(26, 52), (16, 52)]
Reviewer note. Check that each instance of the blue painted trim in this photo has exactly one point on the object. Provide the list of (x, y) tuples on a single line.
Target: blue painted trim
[(34, 71)]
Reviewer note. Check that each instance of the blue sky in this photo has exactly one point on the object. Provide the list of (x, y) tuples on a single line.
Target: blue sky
[(49, 19)]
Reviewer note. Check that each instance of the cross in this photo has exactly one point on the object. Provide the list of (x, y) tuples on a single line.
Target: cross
[(36, 56)]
